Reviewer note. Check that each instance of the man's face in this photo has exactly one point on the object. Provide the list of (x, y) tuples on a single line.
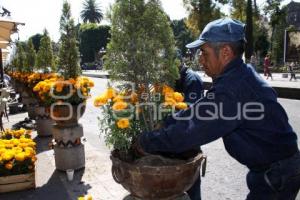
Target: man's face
[(212, 64)]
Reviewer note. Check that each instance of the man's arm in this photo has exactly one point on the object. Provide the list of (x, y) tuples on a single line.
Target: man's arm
[(209, 121)]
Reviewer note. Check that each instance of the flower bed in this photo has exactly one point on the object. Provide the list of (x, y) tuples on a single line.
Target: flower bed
[(17, 160)]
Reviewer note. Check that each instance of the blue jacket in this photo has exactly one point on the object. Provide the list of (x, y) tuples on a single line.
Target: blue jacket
[(190, 84), (257, 134)]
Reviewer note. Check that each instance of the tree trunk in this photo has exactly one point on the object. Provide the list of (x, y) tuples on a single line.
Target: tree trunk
[(249, 30)]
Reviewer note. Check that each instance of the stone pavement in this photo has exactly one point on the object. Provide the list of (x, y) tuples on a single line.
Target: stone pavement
[(51, 184)]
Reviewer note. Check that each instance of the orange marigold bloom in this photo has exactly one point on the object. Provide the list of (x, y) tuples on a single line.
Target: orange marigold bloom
[(178, 97), (123, 123), (181, 106), (119, 106)]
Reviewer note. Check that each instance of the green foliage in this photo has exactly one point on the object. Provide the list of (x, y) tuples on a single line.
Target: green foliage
[(238, 10), (201, 12), (30, 56), (45, 60), (142, 47), (91, 12), (92, 38), (20, 57), (68, 54), (36, 40), (182, 34)]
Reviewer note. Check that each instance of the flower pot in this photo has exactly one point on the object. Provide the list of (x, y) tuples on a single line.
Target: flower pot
[(43, 121), (159, 178), (67, 115)]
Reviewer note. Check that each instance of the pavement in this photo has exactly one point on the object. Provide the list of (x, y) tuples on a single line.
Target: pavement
[(225, 177), (280, 82)]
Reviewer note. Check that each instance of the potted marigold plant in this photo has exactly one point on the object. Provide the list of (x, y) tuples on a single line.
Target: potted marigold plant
[(17, 160), (141, 54), (67, 95)]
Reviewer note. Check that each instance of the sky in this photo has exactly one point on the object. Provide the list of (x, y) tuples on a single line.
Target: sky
[(40, 14)]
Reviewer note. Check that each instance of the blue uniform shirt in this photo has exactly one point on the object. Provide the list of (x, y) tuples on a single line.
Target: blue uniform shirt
[(242, 109), (190, 84)]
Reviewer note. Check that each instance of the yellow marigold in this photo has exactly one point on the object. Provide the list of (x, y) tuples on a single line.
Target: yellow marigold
[(119, 106), (110, 93), (20, 157), (7, 156), (169, 102), (178, 97), (123, 123), (100, 100), (167, 89), (181, 106), (134, 97), (118, 98)]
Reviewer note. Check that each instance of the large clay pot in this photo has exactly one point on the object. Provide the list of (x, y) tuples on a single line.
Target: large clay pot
[(156, 182), (67, 115), (43, 121)]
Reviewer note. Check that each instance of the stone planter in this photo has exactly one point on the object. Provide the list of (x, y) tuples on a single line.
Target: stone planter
[(156, 181), (67, 132), (68, 149), (67, 115), (43, 122)]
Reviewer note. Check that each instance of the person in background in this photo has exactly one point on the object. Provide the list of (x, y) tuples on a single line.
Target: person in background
[(291, 67), (267, 65), (242, 109)]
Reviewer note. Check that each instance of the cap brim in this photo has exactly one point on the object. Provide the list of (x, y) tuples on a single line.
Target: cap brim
[(195, 44)]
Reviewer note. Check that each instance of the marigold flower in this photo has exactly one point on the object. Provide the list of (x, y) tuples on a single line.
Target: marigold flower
[(123, 123), (119, 106), (167, 89), (8, 166), (178, 97), (100, 100), (181, 106), (110, 93), (20, 157)]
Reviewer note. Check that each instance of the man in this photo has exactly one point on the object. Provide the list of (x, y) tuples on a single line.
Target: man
[(291, 67), (267, 64), (191, 85), (243, 110)]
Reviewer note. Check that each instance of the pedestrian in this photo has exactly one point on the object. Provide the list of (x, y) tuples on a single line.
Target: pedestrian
[(267, 65), (291, 68), (191, 85), (242, 109), (253, 61)]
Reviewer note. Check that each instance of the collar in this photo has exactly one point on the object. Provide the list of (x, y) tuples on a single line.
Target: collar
[(228, 68)]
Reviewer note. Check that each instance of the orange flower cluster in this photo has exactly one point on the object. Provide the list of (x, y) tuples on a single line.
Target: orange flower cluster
[(56, 89)]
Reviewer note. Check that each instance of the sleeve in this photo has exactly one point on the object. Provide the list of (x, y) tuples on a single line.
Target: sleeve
[(207, 120)]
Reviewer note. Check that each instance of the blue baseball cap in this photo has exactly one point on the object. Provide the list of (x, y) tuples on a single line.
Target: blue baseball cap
[(220, 30)]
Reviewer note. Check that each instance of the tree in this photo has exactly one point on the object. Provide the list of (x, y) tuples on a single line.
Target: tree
[(45, 60), (249, 30), (20, 57), (238, 10), (201, 12), (91, 12), (36, 40), (276, 17), (30, 56), (92, 38), (68, 53), (142, 46), (182, 35)]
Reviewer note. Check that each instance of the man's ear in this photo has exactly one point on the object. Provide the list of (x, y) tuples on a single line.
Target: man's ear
[(227, 53)]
